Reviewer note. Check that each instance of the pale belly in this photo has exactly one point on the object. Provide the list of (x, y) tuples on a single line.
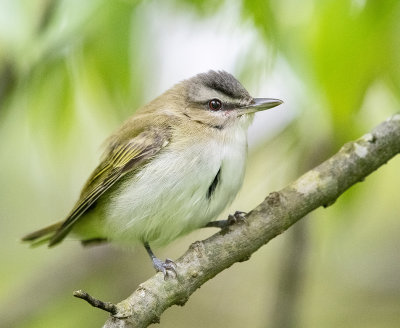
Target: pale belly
[(177, 192)]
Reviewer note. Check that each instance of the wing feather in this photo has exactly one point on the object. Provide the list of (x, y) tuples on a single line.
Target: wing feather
[(121, 159)]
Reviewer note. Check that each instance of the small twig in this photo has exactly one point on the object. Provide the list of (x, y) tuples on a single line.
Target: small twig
[(106, 306)]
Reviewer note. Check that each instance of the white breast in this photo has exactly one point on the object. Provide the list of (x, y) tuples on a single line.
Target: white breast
[(169, 196)]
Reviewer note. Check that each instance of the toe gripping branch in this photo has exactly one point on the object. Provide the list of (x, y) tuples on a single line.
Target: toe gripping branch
[(237, 217), (167, 267)]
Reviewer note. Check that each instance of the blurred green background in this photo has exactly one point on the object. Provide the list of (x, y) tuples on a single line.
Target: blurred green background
[(72, 71)]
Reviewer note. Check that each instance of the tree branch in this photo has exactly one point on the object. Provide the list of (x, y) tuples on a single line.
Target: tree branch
[(205, 259), (106, 306)]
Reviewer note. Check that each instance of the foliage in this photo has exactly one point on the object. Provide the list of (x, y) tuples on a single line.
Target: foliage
[(71, 71)]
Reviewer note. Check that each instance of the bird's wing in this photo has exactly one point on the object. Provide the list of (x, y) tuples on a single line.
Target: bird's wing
[(122, 158)]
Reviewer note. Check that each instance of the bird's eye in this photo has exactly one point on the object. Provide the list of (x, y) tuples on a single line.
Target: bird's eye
[(215, 104)]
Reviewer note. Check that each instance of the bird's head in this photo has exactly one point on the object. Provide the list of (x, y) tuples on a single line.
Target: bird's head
[(217, 99)]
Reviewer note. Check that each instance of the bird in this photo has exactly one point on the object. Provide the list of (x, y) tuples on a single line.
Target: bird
[(169, 169)]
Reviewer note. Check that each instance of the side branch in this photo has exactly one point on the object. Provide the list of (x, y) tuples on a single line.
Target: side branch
[(106, 306), (205, 259)]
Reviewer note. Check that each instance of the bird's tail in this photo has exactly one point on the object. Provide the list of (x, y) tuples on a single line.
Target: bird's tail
[(41, 236)]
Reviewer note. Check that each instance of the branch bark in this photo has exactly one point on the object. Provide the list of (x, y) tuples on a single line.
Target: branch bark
[(204, 259)]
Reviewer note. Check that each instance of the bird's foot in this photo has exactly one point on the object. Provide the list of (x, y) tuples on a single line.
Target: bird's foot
[(235, 218), (167, 267)]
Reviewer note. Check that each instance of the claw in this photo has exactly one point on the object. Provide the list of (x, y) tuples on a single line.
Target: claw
[(168, 267), (170, 262), (237, 217)]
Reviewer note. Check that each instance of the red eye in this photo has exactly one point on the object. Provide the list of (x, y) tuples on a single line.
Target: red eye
[(215, 104)]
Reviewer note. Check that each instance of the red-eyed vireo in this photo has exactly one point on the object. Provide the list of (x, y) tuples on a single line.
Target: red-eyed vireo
[(169, 169)]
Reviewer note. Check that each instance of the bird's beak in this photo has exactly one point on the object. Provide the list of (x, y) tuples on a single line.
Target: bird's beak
[(259, 104)]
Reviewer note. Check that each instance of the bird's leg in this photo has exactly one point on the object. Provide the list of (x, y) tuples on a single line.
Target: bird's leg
[(168, 267), (238, 216)]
